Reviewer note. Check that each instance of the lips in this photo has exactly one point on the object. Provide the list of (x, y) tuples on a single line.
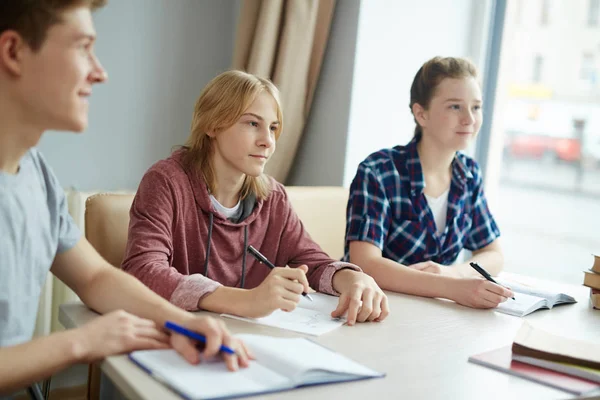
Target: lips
[(258, 156)]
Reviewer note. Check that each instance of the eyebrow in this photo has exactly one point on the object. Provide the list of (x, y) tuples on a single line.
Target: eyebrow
[(459, 100), (81, 36), (258, 117)]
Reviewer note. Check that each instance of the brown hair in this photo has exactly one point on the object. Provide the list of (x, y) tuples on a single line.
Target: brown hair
[(32, 18), (220, 105), (431, 74)]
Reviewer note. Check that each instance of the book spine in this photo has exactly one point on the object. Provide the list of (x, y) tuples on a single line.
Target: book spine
[(595, 298)]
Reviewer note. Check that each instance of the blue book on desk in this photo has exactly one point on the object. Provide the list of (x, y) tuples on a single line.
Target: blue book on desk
[(281, 364)]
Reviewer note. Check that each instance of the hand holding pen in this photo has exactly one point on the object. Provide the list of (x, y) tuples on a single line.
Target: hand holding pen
[(485, 274), (281, 289), (256, 254), (209, 338)]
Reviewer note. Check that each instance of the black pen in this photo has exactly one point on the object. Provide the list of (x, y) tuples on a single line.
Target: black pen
[(484, 273), (269, 264)]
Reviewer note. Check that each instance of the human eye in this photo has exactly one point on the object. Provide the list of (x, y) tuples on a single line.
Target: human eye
[(455, 106)]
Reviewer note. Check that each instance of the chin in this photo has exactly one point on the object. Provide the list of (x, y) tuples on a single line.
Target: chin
[(463, 143), (254, 172), (77, 126)]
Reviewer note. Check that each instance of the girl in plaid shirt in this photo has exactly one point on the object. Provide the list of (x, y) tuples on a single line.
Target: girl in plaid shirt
[(413, 208)]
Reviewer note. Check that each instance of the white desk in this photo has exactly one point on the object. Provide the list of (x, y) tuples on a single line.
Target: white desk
[(423, 346)]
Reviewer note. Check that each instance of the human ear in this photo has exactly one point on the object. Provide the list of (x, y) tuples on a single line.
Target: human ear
[(420, 114), (12, 47)]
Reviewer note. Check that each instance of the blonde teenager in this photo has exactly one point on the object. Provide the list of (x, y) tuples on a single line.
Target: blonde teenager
[(196, 213)]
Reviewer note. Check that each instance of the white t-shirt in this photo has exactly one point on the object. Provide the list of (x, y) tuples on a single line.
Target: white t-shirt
[(439, 208), (229, 213)]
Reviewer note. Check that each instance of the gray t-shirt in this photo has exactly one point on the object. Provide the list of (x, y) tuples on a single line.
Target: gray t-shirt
[(35, 225)]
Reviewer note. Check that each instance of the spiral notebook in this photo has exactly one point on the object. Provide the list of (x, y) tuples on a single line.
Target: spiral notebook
[(281, 364)]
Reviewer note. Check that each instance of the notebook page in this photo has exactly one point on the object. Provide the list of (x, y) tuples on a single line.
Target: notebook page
[(530, 290), (538, 339), (321, 302), (209, 379), (300, 320), (521, 306), (305, 358)]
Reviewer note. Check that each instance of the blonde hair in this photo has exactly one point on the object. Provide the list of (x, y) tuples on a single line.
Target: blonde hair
[(220, 105), (431, 74)]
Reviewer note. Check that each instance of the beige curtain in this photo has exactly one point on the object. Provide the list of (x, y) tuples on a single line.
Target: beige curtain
[(284, 40)]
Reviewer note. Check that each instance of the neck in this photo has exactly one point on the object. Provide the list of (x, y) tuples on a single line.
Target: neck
[(435, 159), (229, 183), (17, 135)]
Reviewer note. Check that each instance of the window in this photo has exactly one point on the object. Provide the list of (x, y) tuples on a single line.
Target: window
[(544, 149), (588, 68), (593, 12), (538, 63), (518, 11), (545, 12)]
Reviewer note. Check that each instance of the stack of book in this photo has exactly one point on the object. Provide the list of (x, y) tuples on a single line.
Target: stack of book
[(592, 280), (559, 362)]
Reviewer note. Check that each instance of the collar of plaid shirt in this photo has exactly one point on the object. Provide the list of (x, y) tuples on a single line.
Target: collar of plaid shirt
[(412, 166)]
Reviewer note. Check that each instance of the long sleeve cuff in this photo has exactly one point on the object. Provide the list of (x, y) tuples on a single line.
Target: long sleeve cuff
[(326, 281), (191, 289)]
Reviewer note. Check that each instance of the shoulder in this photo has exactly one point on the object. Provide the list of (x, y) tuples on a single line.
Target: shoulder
[(382, 166), (34, 162), (166, 172), (383, 159), (278, 193)]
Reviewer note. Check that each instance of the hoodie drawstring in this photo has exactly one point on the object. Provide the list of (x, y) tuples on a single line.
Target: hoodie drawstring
[(244, 256), (210, 225), (208, 242)]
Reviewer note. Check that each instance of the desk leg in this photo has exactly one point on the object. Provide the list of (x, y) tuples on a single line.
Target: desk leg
[(93, 387)]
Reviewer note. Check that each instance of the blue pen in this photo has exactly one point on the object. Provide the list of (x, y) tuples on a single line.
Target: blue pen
[(196, 336)]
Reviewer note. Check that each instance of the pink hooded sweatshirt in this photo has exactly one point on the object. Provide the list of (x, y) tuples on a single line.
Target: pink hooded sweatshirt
[(182, 249)]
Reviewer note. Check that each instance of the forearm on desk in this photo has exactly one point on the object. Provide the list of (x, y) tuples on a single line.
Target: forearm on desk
[(396, 277), (112, 289), (227, 300), (33, 361)]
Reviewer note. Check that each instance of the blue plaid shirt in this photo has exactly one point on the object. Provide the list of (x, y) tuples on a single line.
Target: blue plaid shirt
[(387, 208)]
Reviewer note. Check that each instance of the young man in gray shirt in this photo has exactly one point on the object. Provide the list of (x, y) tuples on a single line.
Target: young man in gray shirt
[(47, 70)]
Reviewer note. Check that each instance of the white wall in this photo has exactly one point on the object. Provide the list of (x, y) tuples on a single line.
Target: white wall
[(320, 159), (394, 39), (159, 55)]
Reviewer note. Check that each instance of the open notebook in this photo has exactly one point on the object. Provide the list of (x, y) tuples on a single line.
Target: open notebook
[(281, 364), (529, 299), (310, 317)]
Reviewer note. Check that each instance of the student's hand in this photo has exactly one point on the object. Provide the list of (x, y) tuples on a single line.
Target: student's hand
[(281, 289), (479, 293), (360, 297), (116, 333), (216, 334)]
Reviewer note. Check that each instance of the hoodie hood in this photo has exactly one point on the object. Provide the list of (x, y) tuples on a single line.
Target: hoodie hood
[(250, 205)]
